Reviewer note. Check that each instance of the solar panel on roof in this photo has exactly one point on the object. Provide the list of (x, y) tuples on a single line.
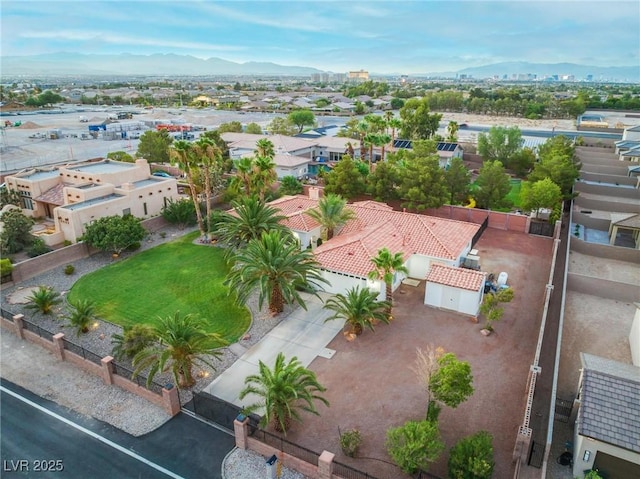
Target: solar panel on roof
[(402, 143)]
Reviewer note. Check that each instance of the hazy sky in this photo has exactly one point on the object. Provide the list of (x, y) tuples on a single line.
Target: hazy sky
[(379, 36)]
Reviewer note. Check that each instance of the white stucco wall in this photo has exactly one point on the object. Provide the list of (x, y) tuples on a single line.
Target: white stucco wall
[(339, 283), (453, 299), (582, 444)]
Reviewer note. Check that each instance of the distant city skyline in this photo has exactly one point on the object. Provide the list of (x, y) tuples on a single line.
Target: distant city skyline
[(378, 36)]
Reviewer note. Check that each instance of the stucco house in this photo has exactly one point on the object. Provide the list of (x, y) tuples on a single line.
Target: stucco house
[(424, 241), (75, 195), (607, 428)]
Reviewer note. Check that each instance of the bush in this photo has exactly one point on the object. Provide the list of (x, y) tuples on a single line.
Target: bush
[(133, 340), (5, 267), (181, 213), (69, 269), (472, 457), (350, 442), (66, 243), (133, 246), (37, 248), (16, 233), (43, 299), (83, 313), (415, 445)]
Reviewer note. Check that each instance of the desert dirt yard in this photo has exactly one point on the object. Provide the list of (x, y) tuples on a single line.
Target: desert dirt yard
[(372, 387)]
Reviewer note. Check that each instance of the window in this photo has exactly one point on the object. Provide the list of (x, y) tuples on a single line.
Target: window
[(144, 205)]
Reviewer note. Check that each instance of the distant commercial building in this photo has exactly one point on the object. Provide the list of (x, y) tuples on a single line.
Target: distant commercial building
[(361, 75)]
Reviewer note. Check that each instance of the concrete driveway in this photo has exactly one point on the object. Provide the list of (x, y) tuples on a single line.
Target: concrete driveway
[(303, 334)]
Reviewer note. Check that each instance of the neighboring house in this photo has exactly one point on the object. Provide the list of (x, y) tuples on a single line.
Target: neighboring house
[(607, 429), (629, 147), (446, 150), (294, 156), (73, 196), (422, 240)]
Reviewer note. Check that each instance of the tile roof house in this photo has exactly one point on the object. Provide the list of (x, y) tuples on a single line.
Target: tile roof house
[(607, 429), (422, 240)]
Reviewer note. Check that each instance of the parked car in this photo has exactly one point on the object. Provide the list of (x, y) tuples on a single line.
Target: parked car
[(162, 174)]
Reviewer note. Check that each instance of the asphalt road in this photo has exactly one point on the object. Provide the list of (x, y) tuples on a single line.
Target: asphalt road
[(43, 440)]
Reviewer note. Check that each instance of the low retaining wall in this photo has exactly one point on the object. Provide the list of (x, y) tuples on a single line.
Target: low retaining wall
[(603, 288), (591, 222), (604, 205), (605, 251), (608, 178), (607, 190), (168, 400), (38, 265)]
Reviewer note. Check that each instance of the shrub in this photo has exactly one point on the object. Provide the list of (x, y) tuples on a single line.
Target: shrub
[(37, 248), (16, 233), (5, 267), (83, 313), (133, 246), (181, 213), (472, 457), (66, 243), (43, 299), (132, 340), (415, 445), (69, 269), (350, 442)]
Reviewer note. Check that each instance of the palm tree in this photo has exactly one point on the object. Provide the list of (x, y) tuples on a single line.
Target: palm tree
[(332, 213), (387, 264), (43, 299), (384, 140), (183, 341), (264, 148), (359, 308), (452, 131), (395, 124), (275, 266), (182, 152), (370, 139), (283, 391), (209, 155), (83, 313), (252, 218), (362, 128), (244, 168), (264, 175)]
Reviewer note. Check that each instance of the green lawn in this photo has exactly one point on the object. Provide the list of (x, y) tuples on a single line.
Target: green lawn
[(513, 196), (176, 276)]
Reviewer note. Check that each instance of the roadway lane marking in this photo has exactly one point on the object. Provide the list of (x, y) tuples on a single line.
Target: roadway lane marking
[(104, 440)]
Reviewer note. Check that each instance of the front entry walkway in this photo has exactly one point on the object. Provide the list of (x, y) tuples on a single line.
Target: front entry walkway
[(303, 334)]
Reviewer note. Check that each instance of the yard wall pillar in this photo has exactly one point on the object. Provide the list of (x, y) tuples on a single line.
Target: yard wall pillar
[(241, 431), (58, 345), (107, 369), (325, 465), (19, 325), (171, 399)]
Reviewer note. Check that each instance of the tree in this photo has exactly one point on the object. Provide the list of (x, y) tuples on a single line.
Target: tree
[(43, 299), (302, 118), (500, 143), (281, 126), (209, 158), (121, 156), (382, 184), (263, 175), (417, 122), (559, 163), (541, 194), (253, 128), (230, 127), (132, 340), (452, 131), (290, 185), (387, 265), (114, 233), (345, 179), (452, 383), (275, 266), (283, 391), (244, 170), (415, 445), (457, 181), (331, 213), (251, 218), (491, 308), (182, 342), (522, 161), (83, 313), (472, 457), (8, 197), (154, 146), (180, 213), (359, 308), (182, 152), (422, 180), (493, 185), (16, 231)]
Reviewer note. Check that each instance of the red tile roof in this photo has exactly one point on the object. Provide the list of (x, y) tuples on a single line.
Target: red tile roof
[(376, 226), (456, 277), (53, 196)]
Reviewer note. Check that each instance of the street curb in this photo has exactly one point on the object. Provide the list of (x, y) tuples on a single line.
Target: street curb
[(224, 462)]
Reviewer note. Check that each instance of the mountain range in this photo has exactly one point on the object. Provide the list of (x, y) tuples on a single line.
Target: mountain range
[(79, 64)]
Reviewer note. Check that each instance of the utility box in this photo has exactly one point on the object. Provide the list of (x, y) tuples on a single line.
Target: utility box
[(502, 280), (272, 466)]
